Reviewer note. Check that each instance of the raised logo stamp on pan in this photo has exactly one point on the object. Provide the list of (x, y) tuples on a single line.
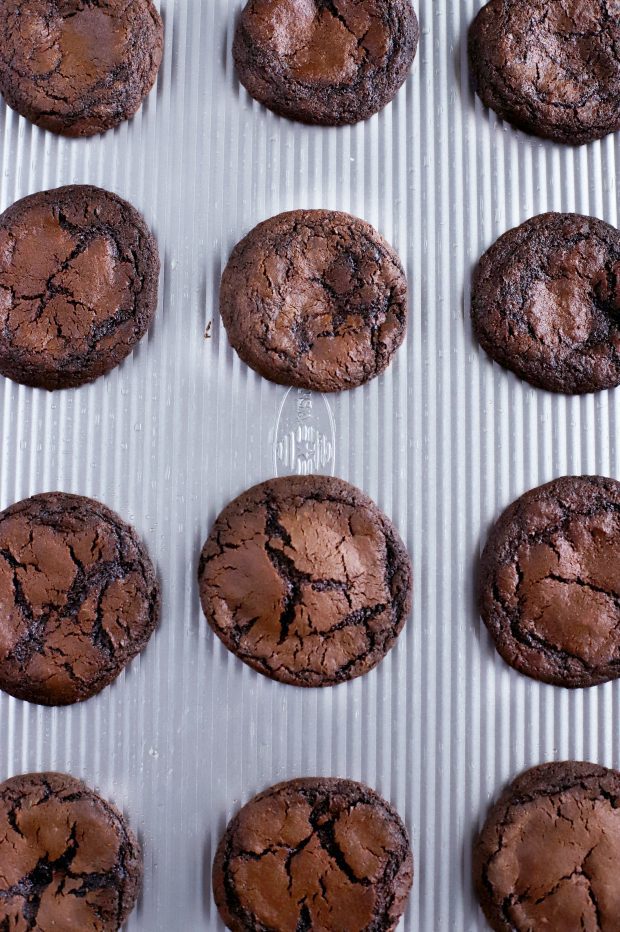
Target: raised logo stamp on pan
[(305, 438)]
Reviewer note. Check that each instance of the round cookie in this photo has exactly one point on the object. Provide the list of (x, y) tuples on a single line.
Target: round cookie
[(78, 68), (547, 856), (329, 62), (69, 860), (78, 598), (305, 580), (546, 303), (549, 586), (316, 299), (79, 274), (314, 854), (552, 69)]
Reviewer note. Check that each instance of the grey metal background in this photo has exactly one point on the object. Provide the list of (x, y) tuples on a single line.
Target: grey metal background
[(442, 442)]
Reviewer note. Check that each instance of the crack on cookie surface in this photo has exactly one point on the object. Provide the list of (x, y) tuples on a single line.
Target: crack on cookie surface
[(315, 299), (67, 857), (79, 594), (552, 69), (305, 580), (549, 585), (75, 67), (314, 853), (564, 819)]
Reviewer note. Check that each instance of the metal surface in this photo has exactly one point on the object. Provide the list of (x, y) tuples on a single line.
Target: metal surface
[(442, 442)]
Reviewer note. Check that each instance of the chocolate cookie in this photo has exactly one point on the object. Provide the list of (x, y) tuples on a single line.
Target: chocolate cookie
[(330, 62), (552, 69), (546, 303), (78, 67), (315, 299), (547, 857), (314, 854), (549, 583), (79, 272), (68, 859), (78, 598), (305, 580)]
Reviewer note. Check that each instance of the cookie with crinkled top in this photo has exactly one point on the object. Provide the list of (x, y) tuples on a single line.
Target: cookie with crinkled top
[(305, 580), (314, 853), (69, 860), (546, 303), (79, 67), (330, 62), (316, 299), (547, 855), (550, 68)]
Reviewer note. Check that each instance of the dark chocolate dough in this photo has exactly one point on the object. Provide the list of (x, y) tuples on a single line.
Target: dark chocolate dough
[(549, 586), (550, 67), (78, 67), (315, 299), (68, 860), (78, 598), (305, 580), (316, 854), (330, 62), (547, 857), (79, 271)]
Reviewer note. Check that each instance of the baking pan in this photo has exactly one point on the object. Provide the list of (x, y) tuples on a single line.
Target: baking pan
[(443, 441)]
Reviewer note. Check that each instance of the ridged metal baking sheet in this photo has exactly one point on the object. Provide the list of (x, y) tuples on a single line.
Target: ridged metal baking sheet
[(443, 441)]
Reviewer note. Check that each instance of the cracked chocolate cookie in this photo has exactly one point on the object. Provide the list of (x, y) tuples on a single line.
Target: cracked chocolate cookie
[(78, 598), (549, 586), (330, 62), (79, 274), (78, 67), (315, 299), (552, 69), (305, 580), (316, 853), (68, 859), (546, 303), (547, 857)]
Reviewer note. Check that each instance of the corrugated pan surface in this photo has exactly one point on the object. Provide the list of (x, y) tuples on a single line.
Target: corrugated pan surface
[(442, 441)]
